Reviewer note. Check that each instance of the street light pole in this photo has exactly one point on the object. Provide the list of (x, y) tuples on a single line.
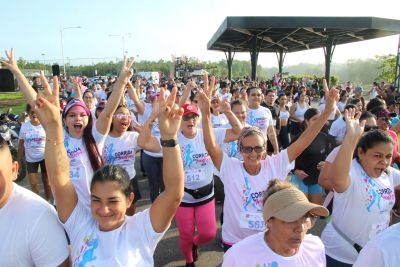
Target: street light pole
[(128, 34), (62, 46)]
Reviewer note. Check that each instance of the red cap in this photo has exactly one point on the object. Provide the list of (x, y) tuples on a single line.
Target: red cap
[(190, 108)]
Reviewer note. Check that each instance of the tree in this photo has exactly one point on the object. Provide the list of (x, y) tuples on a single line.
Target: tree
[(387, 68)]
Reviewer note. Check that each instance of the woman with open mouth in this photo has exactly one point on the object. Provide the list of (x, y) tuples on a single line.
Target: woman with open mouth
[(83, 139), (104, 235), (363, 191), (197, 209), (245, 181), (121, 144)]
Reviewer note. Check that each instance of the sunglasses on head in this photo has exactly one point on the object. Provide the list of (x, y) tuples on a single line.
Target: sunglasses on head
[(249, 149), (121, 116), (368, 128)]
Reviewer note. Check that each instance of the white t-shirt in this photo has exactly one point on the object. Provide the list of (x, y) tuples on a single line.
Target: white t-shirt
[(361, 212), (81, 172), (382, 250), (197, 164), (218, 121), (93, 113), (131, 244), (261, 118), (332, 115), (254, 251), (341, 106), (100, 95), (338, 129), (331, 157), (34, 141), (30, 232), (155, 130), (243, 204), (121, 151)]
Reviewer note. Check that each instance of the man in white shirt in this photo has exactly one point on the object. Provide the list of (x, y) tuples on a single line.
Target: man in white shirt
[(30, 232)]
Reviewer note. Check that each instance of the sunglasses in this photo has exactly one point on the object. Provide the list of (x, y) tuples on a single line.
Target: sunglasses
[(189, 117), (121, 116), (249, 149), (368, 128)]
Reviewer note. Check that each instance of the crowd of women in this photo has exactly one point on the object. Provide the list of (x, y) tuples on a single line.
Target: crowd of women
[(265, 153)]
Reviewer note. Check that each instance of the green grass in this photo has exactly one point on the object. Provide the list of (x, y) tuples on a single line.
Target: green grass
[(11, 96), (15, 100), (17, 109)]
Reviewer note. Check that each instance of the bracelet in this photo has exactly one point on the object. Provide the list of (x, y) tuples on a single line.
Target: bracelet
[(55, 142)]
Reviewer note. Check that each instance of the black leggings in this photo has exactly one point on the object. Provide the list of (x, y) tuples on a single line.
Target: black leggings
[(283, 137)]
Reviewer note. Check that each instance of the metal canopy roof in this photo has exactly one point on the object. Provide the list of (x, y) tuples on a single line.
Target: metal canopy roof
[(291, 34)]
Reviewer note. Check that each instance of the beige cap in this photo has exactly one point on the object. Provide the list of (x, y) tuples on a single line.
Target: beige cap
[(289, 205)]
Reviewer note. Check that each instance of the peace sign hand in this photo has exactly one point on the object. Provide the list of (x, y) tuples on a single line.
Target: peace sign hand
[(11, 64), (51, 95), (48, 106), (331, 97), (170, 115), (126, 70)]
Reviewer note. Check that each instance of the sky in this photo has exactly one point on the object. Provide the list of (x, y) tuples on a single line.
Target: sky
[(155, 29)]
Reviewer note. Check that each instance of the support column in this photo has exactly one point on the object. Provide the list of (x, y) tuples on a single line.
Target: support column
[(328, 51), (397, 77), (229, 60), (281, 58), (254, 58)]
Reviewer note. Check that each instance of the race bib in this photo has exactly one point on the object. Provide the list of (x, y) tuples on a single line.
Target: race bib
[(194, 176), (252, 221)]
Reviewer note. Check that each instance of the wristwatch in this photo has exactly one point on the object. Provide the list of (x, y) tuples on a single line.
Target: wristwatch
[(169, 142)]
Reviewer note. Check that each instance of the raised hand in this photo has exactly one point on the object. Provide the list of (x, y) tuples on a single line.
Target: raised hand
[(331, 97), (48, 107), (126, 70), (204, 103), (170, 115), (354, 127), (224, 106), (51, 95), (10, 64)]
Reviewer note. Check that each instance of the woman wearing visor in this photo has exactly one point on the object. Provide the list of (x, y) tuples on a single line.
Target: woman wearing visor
[(289, 215)]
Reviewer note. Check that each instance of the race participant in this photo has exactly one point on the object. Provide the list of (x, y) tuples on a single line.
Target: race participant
[(30, 232), (245, 181), (31, 147), (285, 243), (283, 135), (311, 160), (104, 236), (197, 209), (152, 161), (363, 192), (218, 118), (82, 141), (261, 117), (297, 111), (121, 145)]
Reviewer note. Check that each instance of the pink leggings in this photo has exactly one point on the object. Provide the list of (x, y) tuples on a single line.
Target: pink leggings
[(204, 218)]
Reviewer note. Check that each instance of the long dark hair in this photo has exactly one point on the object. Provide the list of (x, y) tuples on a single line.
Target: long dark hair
[(96, 161)]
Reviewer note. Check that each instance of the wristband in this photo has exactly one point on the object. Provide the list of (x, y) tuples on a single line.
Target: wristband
[(169, 142)]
